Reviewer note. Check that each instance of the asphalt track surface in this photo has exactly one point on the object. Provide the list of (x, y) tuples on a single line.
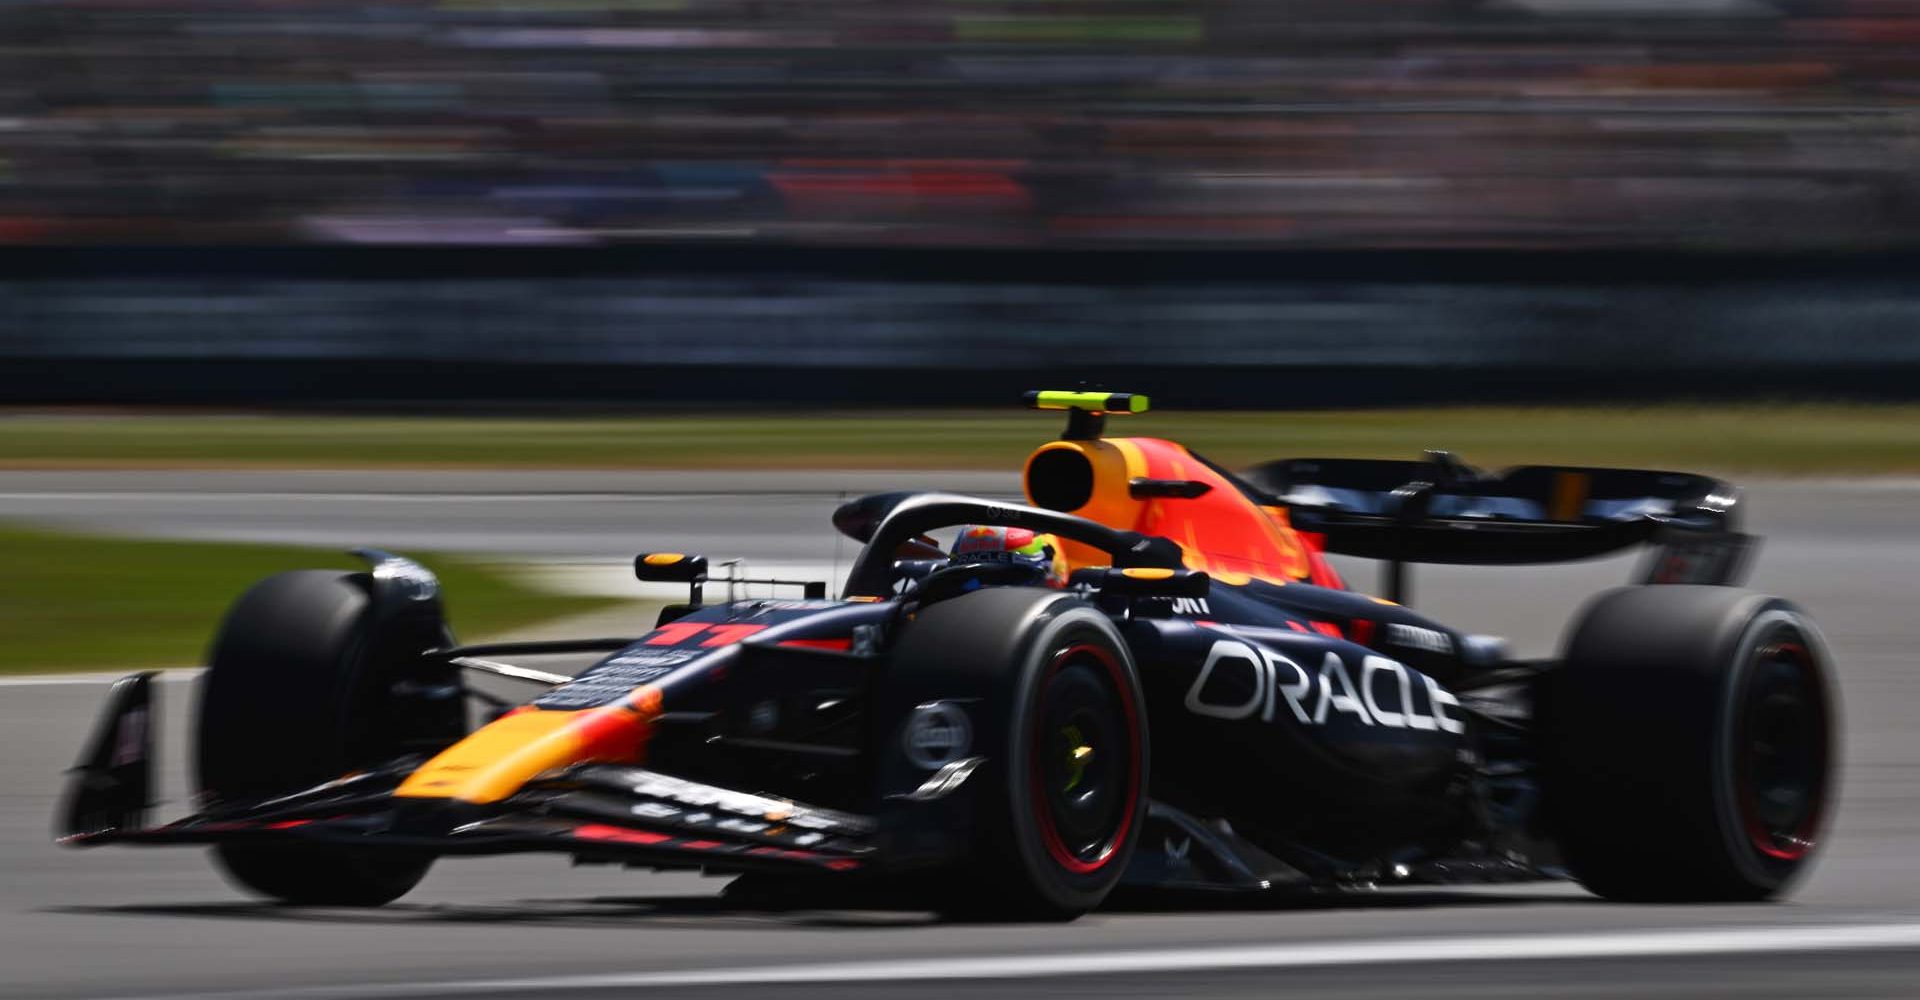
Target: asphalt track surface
[(160, 922)]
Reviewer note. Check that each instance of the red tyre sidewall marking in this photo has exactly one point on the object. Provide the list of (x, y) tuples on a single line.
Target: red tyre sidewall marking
[(1049, 834), (1757, 832)]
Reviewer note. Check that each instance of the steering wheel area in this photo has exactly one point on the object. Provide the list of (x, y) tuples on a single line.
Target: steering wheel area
[(955, 579)]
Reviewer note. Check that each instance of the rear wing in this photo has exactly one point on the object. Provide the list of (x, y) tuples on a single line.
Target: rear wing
[(1444, 511)]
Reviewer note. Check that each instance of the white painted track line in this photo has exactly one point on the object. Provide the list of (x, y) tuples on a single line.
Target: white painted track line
[(1500, 948), (102, 678)]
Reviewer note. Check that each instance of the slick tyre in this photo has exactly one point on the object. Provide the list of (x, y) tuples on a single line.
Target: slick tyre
[(1062, 726), (299, 690), (1689, 744)]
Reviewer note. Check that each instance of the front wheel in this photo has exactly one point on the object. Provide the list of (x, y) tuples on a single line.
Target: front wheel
[(301, 688), (1062, 794), (1688, 744)]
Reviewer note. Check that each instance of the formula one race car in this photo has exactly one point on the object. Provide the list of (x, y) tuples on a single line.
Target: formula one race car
[(1158, 682)]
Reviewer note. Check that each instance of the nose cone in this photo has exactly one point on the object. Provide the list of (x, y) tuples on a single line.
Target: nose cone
[(495, 761)]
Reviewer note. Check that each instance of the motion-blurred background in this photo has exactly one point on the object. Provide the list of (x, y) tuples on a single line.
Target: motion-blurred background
[(1722, 124), (617, 201)]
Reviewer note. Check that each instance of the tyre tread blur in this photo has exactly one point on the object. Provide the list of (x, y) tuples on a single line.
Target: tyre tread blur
[(278, 711), (1629, 723)]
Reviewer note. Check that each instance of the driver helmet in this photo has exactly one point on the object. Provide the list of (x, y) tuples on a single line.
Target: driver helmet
[(979, 543)]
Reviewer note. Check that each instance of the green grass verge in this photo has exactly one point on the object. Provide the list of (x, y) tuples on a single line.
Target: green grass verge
[(1747, 438), (82, 601)]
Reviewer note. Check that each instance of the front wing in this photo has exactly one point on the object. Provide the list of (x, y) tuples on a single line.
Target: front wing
[(598, 812)]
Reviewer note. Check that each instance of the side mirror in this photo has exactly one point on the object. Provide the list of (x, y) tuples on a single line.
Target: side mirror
[(1148, 581), (672, 567)]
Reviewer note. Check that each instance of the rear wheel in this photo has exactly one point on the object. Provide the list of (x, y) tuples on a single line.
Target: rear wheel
[(300, 688), (1689, 744), (1062, 793)]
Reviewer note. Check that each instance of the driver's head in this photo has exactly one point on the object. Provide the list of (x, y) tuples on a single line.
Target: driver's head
[(978, 543)]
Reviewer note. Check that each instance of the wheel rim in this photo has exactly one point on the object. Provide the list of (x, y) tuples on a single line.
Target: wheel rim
[(1085, 754), (1781, 744)]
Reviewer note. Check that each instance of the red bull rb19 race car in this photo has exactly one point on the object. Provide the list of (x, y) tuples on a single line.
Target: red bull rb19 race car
[(1148, 677)]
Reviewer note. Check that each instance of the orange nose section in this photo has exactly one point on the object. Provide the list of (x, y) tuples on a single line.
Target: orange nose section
[(495, 761)]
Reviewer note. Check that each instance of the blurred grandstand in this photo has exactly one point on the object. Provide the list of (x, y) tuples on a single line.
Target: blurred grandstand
[(1697, 124)]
